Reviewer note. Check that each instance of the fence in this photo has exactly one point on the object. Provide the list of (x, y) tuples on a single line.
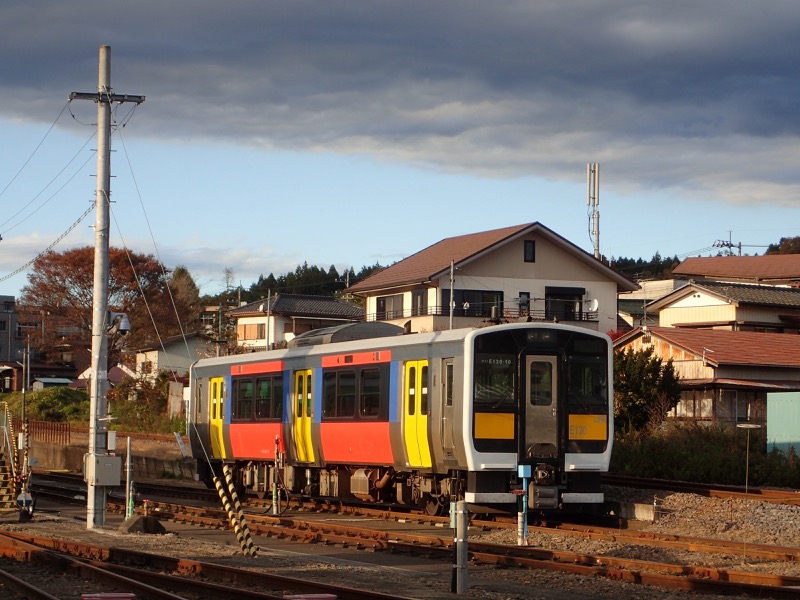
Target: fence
[(46, 431)]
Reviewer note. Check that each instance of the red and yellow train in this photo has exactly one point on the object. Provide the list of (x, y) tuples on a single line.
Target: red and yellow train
[(418, 419)]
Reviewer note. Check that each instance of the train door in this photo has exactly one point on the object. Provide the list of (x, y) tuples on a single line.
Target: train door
[(301, 415), (541, 407), (448, 418), (415, 413), (216, 416)]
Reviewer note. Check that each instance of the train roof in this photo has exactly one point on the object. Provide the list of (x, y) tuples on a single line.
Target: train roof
[(346, 332), (377, 343)]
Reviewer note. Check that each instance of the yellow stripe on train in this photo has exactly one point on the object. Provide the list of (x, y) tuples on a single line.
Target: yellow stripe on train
[(588, 427), (494, 426)]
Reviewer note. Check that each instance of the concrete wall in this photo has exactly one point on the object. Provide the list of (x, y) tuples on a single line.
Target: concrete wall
[(58, 457)]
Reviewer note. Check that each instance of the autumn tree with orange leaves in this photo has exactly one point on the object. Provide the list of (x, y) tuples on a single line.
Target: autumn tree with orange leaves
[(56, 303)]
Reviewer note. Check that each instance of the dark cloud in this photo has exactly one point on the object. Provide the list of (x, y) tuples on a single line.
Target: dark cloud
[(666, 92)]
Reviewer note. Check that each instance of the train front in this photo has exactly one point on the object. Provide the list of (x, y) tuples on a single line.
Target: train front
[(541, 414)]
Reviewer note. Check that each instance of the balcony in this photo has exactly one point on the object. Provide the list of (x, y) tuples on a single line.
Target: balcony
[(478, 312)]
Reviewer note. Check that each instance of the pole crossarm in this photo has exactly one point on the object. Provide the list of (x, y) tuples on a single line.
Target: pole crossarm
[(103, 97)]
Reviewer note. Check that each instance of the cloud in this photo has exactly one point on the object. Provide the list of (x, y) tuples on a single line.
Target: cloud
[(698, 96)]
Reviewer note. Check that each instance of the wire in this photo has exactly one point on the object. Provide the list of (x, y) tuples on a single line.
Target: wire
[(160, 262), (50, 247), (35, 150), (53, 195)]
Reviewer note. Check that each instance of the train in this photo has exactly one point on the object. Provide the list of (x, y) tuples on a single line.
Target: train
[(365, 411)]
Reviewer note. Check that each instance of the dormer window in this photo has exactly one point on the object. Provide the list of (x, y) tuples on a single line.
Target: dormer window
[(530, 251)]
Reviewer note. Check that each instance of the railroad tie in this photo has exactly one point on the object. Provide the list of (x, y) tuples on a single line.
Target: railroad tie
[(248, 546)]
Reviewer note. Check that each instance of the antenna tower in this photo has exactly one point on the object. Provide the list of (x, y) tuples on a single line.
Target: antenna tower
[(593, 201)]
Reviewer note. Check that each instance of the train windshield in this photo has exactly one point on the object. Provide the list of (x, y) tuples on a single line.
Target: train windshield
[(494, 379), (587, 382)]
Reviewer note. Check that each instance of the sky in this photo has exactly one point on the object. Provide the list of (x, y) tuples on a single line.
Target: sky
[(352, 133)]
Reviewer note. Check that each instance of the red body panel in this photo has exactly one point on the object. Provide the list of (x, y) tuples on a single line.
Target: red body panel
[(255, 440), (356, 443)]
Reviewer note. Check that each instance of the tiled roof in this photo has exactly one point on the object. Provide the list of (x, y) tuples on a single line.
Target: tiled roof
[(632, 307), (434, 260), (736, 293), (754, 294), (734, 347), (749, 268), (302, 305), (168, 341)]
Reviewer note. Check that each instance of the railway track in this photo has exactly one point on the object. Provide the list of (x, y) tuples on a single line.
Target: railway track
[(791, 497), (662, 574), (164, 577), (438, 545)]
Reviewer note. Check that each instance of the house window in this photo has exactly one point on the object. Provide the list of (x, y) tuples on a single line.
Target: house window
[(390, 307), (472, 303), (530, 251), (564, 303), (419, 302)]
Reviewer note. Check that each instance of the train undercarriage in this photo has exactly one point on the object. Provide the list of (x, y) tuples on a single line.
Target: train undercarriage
[(379, 485)]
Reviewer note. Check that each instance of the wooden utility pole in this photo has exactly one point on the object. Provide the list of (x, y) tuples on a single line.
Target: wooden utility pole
[(99, 466)]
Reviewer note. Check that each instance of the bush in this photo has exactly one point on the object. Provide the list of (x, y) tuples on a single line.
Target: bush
[(51, 404), (139, 405), (704, 454)]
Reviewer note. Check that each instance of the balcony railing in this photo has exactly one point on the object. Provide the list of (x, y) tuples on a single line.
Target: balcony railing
[(503, 314)]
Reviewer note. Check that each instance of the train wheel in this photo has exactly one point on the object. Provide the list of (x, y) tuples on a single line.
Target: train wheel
[(434, 506)]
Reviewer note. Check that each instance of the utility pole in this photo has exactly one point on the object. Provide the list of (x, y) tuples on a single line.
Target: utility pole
[(98, 464)]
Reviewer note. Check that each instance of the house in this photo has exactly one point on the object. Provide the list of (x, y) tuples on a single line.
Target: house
[(115, 376), (174, 354), (731, 306), (725, 375), (633, 307), (11, 345), (770, 269), (521, 272), (278, 319)]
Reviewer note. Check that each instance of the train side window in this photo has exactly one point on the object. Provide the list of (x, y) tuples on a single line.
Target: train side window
[(423, 393), (300, 394), (412, 391), (308, 395), (277, 398), (449, 379), (213, 391), (269, 403), (243, 399), (346, 394), (329, 394), (370, 393)]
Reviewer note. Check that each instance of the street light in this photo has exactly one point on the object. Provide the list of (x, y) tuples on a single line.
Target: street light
[(748, 427)]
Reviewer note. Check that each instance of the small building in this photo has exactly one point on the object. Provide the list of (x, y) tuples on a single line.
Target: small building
[(41, 383), (725, 376), (525, 272), (174, 354), (278, 319)]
